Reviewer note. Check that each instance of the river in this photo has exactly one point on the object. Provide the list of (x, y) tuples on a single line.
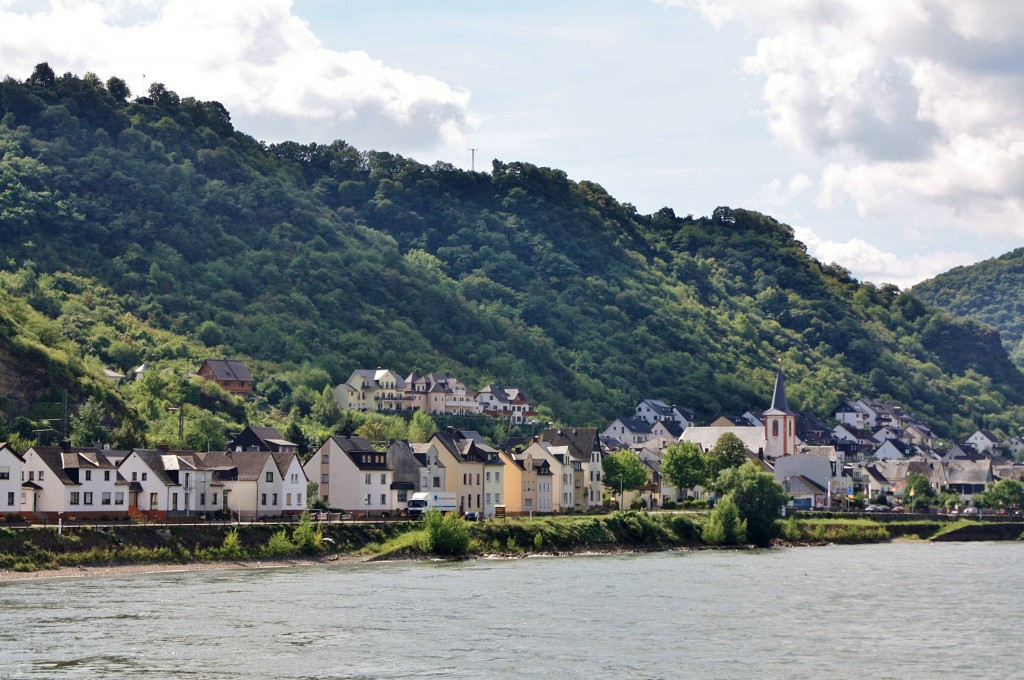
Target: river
[(918, 610)]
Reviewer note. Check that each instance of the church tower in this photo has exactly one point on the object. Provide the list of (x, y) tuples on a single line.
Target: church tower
[(779, 423)]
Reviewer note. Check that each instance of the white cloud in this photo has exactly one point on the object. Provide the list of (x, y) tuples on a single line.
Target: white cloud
[(880, 266), (254, 56), (914, 108), (775, 194)]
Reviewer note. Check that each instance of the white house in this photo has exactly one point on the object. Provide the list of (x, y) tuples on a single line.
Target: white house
[(653, 410), (10, 481), (352, 475), (256, 483), (629, 431), (983, 441), (167, 483), (72, 482)]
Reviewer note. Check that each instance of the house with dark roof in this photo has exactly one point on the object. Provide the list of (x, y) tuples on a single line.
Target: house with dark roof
[(164, 483), (653, 410), (984, 441), (72, 482), (256, 483), (475, 471), (507, 403), (11, 465), (260, 438), (629, 431), (968, 477), (230, 374), (585, 447), (353, 476)]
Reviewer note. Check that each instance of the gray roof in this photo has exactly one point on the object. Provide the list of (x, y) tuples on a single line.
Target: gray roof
[(229, 369)]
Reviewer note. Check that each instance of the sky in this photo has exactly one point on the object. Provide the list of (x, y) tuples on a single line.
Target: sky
[(888, 133)]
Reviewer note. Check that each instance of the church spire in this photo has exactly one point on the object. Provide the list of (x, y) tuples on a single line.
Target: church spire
[(779, 395)]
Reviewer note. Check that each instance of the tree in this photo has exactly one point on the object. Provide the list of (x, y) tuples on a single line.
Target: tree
[(725, 526), (294, 434), (685, 465), (42, 75), (624, 471), (916, 488), (422, 427), (758, 496), (1006, 493), (118, 89), (728, 452), (86, 425)]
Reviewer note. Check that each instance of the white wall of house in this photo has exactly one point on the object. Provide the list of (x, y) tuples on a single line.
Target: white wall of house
[(155, 495), (10, 482)]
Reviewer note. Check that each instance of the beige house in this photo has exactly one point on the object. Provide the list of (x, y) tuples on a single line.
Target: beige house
[(373, 390), (475, 471)]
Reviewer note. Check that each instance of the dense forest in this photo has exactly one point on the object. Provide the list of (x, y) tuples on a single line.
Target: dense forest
[(991, 291), (150, 230)]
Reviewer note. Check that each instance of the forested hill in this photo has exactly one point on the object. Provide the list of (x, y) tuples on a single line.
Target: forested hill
[(122, 218), (991, 291)]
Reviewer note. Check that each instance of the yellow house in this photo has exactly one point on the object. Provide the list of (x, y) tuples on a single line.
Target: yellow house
[(377, 390)]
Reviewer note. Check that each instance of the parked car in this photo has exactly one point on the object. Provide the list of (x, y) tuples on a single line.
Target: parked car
[(317, 515), (876, 508), (472, 516), (970, 512), (898, 508)]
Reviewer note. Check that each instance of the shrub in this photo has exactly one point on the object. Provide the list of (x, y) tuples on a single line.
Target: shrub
[(308, 537), (231, 548), (725, 527), (538, 541), (279, 545), (448, 534), (669, 505)]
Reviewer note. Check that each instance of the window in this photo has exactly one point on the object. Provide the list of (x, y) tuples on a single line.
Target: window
[(775, 428), (174, 501), (87, 500), (478, 478), (135, 476), (465, 476), (5, 473), (31, 475), (487, 498), (105, 498), (88, 475), (274, 500), (73, 498), (403, 496), (295, 478), (106, 475), (366, 500), (487, 476), (326, 458), (270, 476), (10, 498), (497, 476), (298, 499), (478, 500), (288, 499), (437, 482), (144, 476), (263, 499), (324, 479), (202, 499), (214, 501), (367, 479), (497, 498), (153, 502), (383, 499), (384, 479)]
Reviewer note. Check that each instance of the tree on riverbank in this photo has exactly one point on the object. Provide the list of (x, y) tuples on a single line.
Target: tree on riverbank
[(758, 496)]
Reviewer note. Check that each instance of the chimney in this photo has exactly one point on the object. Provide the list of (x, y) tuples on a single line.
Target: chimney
[(163, 447), (65, 446)]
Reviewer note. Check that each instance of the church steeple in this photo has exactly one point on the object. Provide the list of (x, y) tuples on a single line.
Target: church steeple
[(779, 402)]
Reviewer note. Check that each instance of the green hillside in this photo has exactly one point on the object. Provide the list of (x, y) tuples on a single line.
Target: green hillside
[(151, 230), (991, 291)]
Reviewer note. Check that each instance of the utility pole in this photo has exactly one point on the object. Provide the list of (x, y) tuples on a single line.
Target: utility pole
[(472, 162)]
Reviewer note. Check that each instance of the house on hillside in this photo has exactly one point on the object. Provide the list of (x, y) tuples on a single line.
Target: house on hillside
[(969, 477), (654, 410), (373, 390), (259, 438), (11, 465), (230, 374), (984, 441), (629, 431), (507, 403)]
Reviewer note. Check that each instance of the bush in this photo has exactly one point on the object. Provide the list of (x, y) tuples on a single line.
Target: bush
[(669, 505), (538, 541), (308, 537), (448, 534), (231, 548), (725, 527), (279, 545)]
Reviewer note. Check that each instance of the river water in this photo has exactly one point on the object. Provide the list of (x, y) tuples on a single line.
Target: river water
[(916, 610)]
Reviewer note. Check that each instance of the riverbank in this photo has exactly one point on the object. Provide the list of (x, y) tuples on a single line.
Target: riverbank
[(38, 552)]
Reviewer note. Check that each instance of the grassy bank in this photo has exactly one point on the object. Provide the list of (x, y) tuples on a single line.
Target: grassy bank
[(31, 549)]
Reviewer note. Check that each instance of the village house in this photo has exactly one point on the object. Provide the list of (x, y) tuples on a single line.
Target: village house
[(163, 483), (353, 476), (408, 473), (72, 482), (654, 410), (230, 374), (11, 494), (629, 431), (478, 480), (506, 403), (257, 438), (584, 446), (432, 472), (256, 483), (373, 390)]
